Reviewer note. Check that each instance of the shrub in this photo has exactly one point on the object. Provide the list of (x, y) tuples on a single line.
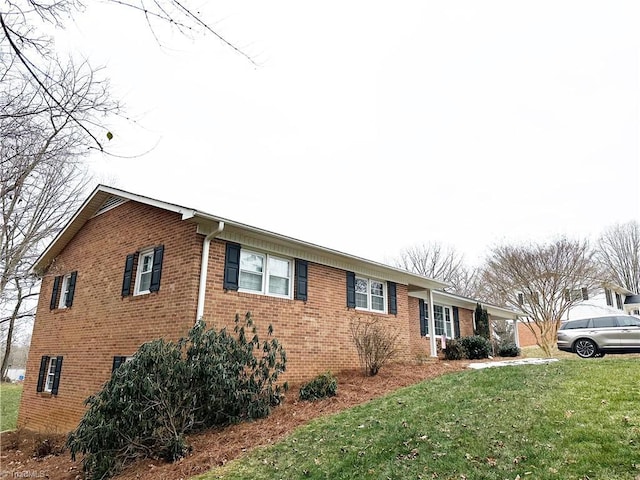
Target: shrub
[(376, 343), (508, 350), (322, 386), (454, 350), (476, 347), (170, 388)]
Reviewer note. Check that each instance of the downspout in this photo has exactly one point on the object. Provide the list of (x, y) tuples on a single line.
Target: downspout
[(432, 327), (204, 265)]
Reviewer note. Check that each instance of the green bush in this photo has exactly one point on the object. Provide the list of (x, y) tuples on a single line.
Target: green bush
[(476, 347), (323, 386), (168, 389), (454, 350), (508, 350)]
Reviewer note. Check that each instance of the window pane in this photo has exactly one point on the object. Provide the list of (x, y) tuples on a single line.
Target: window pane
[(278, 267), (251, 262), (145, 281), (377, 303), (361, 299), (438, 317), (376, 288), (250, 281), (147, 262), (278, 285), (361, 286)]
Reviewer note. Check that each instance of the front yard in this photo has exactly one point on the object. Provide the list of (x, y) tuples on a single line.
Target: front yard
[(573, 419), (10, 394)]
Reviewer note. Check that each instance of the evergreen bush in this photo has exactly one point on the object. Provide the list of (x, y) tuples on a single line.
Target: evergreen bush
[(168, 389), (476, 347), (454, 350), (508, 350), (323, 386)]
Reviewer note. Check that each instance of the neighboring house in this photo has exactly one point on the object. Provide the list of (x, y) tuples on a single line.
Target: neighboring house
[(128, 269), (608, 299)]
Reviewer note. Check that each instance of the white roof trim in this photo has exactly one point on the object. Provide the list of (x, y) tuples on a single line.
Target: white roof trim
[(322, 254)]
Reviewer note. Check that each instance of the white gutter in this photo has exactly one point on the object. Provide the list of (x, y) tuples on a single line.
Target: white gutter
[(204, 265)]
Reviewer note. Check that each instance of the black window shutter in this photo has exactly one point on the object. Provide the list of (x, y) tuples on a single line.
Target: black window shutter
[(393, 298), (156, 272), (585, 294), (56, 378), (72, 289), (302, 276), (520, 299), (423, 322), (128, 274), (55, 293), (231, 266), (117, 361), (351, 290), (42, 374), (567, 295), (456, 322)]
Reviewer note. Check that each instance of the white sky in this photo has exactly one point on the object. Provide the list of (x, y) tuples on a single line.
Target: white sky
[(371, 126)]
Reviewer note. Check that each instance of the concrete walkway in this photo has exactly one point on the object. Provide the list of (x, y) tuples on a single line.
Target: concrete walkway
[(505, 363)]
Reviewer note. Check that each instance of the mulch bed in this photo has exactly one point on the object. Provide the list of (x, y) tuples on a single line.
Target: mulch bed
[(219, 446)]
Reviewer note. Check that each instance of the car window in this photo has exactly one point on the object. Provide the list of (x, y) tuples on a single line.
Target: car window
[(629, 321), (604, 322), (583, 323)]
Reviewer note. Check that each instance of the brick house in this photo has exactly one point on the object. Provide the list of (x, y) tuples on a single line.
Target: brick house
[(127, 269)]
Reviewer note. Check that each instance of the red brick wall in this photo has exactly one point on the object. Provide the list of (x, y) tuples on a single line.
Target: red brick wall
[(526, 336), (101, 323), (315, 333)]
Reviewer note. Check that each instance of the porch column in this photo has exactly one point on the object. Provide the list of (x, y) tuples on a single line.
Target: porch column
[(432, 327)]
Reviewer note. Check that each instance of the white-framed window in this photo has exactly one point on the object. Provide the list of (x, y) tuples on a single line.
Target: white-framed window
[(64, 291), (51, 374), (371, 295), (265, 274), (144, 272), (443, 321)]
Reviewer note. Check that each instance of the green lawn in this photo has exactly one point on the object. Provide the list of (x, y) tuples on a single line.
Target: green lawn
[(573, 419), (9, 403)]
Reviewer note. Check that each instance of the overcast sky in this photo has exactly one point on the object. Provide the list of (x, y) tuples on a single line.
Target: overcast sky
[(371, 126)]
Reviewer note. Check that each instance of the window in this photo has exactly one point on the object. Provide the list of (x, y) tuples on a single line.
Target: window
[(118, 360), (370, 294), (603, 322), (442, 319), (64, 287), (65, 293), (628, 321), (49, 374), (619, 301), (143, 271), (143, 274), (265, 274), (609, 297)]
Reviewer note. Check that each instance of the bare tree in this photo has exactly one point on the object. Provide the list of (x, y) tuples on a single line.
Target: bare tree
[(618, 251), (434, 260), (542, 280), (41, 175), (25, 48)]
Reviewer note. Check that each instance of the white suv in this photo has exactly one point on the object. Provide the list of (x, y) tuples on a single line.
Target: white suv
[(592, 337)]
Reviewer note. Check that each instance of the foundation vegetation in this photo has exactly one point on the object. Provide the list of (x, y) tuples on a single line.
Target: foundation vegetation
[(375, 342), (210, 378), (323, 386)]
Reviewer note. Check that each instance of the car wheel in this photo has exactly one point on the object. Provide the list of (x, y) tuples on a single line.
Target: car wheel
[(585, 348)]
